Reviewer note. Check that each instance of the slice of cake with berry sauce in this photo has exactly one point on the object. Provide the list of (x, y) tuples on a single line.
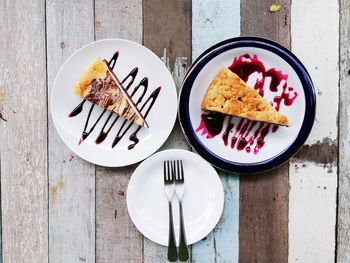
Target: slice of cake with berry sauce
[(229, 94)]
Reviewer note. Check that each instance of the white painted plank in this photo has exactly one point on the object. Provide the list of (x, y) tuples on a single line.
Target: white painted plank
[(23, 137), (312, 204), (212, 22), (343, 239), (313, 186), (71, 180), (315, 40), (117, 239)]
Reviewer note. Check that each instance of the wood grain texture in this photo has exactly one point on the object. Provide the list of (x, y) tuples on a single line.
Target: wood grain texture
[(263, 227), (263, 215), (257, 20), (117, 239), (343, 220), (212, 22), (315, 40), (71, 180), (168, 27), (221, 245), (23, 137), (167, 32), (311, 213), (313, 181)]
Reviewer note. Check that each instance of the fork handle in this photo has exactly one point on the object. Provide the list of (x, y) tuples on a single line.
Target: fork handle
[(172, 250), (183, 251)]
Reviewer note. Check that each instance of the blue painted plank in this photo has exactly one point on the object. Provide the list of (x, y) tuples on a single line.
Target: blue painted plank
[(221, 245), (212, 22)]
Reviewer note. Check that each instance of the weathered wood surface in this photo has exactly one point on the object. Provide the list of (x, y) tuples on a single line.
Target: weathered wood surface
[(70, 25), (207, 16), (56, 207), (168, 25), (313, 177), (343, 223), (117, 239), (263, 208), (23, 132), (161, 35)]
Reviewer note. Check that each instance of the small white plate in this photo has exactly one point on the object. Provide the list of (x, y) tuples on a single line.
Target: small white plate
[(161, 118), (202, 203)]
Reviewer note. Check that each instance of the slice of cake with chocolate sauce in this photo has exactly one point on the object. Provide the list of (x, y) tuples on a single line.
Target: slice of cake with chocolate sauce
[(99, 85), (228, 94)]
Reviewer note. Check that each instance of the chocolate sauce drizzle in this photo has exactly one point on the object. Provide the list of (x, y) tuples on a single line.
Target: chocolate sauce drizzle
[(152, 98), (142, 86), (77, 109)]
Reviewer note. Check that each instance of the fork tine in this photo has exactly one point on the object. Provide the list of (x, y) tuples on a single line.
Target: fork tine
[(168, 172), (164, 171), (182, 171), (173, 170), (178, 175)]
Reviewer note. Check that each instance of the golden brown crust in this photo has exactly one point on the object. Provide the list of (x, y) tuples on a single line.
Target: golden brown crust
[(83, 85), (228, 94), (97, 84)]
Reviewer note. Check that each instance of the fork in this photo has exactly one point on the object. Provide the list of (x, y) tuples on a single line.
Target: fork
[(169, 187), (180, 190)]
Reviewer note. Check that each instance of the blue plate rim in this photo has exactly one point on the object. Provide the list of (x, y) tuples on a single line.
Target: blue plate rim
[(223, 46)]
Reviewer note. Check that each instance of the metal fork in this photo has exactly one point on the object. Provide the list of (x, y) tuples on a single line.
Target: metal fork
[(169, 187), (180, 190)]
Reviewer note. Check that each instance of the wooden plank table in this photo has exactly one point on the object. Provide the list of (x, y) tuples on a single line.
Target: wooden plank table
[(56, 207)]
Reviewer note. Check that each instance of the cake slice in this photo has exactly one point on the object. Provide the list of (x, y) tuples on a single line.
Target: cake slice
[(99, 85), (228, 94)]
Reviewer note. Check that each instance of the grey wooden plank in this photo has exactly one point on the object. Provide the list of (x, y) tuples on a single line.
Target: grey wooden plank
[(70, 25), (23, 137), (343, 220), (264, 197), (117, 239)]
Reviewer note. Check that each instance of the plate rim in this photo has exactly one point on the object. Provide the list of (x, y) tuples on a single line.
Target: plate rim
[(55, 121), (310, 105), (222, 193)]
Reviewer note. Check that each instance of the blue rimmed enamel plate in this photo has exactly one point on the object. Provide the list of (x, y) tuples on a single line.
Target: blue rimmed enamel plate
[(240, 145)]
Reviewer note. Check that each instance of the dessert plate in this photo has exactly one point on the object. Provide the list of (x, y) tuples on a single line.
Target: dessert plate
[(202, 202), (239, 145), (123, 143)]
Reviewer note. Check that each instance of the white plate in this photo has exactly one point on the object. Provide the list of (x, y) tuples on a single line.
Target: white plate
[(161, 118), (246, 146), (202, 203)]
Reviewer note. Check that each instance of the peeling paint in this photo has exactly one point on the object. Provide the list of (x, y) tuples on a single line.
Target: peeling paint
[(97, 24), (54, 189), (321, 152), (347, 142), (2, 98)]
